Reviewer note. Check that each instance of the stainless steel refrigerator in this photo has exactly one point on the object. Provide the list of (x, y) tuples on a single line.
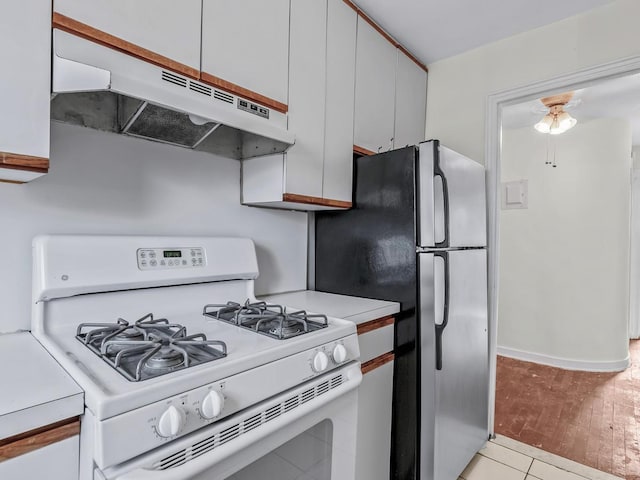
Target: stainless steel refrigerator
[(417, 235)]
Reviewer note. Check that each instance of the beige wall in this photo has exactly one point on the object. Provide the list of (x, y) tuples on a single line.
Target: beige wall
[(459, 86), (564, 261)]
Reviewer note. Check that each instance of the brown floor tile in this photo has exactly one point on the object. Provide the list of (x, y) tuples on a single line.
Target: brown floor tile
[(591, 418)]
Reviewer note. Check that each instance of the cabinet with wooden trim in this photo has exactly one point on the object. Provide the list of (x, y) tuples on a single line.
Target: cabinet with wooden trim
[(316, 172), (410, 103), (53, 449), (245, 43), (373, 450), (391, 92), (164, 32), (24, 90)]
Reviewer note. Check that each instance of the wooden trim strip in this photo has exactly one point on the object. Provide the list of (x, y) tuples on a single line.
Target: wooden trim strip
[(377, 362), (243, 92), (24, 162), (362, 150), (88, 32), (388, 37), (41, 437), (375, 324), (325, 202)]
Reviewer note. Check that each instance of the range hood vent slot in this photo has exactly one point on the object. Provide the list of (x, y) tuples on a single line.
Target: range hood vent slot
[(225, 97), (198, 87), (173, 78)]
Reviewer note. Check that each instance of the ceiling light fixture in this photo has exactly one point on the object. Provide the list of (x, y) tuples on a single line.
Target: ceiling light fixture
[(557, 121)]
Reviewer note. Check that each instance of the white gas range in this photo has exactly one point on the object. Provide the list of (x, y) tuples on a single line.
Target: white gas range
[(185, 374)]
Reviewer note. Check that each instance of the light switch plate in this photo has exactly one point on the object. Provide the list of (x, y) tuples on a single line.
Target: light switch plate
[(515, 194)]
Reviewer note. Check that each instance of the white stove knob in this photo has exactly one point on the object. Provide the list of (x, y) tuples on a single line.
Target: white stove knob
[(320, 362), (212, 405), (339, 353), (171, 421)]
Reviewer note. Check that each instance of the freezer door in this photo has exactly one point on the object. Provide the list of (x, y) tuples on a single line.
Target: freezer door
[(451, 198), (454, 361)]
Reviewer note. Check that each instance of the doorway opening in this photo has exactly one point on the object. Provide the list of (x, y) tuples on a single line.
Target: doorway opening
[(545, 258)]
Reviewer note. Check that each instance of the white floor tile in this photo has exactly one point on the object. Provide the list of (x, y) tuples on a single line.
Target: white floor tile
[(483, 468), (555, 460), (507, 456), (544, 471)]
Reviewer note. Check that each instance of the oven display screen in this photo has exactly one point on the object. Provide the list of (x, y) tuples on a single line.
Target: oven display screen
[(172, 253)]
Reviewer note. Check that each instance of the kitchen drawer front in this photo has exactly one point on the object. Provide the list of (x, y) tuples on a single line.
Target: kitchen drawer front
[(375, 343), (59, 460)]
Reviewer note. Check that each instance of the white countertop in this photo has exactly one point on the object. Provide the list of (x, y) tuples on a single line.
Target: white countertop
[(36, 391), (356, 309)]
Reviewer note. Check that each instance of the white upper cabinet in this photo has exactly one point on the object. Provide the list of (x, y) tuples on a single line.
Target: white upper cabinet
[(165, 27), (246, 42), (25, 89), (376, 60), (316, 172), (341, 58), (411, 101), (307, 87)]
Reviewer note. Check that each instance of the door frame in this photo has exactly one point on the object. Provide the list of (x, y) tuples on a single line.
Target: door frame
[(493, 128)]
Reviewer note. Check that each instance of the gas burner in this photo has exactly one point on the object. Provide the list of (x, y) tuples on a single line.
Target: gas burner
[(165, 359), (270, 320), (285, 327), (148, 348)]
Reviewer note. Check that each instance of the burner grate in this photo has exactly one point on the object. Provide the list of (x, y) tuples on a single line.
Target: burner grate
[(271, 320), (149, 347)]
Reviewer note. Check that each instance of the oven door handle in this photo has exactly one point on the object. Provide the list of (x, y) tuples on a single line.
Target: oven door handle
[(211, 459)]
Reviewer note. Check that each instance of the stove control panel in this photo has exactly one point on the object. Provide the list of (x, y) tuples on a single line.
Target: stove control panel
[(170, 258)]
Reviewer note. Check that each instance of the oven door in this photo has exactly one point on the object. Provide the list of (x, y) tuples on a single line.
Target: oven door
[(307, 432)]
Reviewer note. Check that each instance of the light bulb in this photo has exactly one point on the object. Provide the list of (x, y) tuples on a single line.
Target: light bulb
[(566, 121), (543, 125)]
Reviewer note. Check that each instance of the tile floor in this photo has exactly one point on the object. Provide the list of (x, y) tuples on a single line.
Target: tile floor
[(507, 459), (591, 418)]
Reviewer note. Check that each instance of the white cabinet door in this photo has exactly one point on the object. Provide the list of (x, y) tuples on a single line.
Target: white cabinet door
[(58, 461), (165, 27), (373, 451), (375, 89), (246, 42), (411, 102), (341, 71), (307, 87), (25, 56)]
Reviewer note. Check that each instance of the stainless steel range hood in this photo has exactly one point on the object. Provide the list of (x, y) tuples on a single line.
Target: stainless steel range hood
[(100, 88)]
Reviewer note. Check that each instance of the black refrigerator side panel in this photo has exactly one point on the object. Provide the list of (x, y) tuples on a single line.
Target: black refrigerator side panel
[(370, 251)]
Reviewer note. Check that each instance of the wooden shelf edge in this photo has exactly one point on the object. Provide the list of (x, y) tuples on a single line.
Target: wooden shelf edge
[(24, 162), (88, 32), (362, 150), (388, 37), (377, 362), (243, 92), (325, 202), (375, 324), (41, 437)]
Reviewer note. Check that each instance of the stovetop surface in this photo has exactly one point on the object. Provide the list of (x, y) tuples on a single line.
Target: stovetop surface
[(108, 393)]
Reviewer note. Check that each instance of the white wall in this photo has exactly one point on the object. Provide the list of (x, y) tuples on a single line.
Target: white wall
[(634, 274), (459, 86), (105, 183), (564, 261)]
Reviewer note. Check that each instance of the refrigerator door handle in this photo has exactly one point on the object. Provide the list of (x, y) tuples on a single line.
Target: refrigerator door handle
[(442, 204), (440, 326)]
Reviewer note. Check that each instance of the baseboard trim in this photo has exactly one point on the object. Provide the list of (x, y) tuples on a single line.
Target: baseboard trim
[(564, 363)]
